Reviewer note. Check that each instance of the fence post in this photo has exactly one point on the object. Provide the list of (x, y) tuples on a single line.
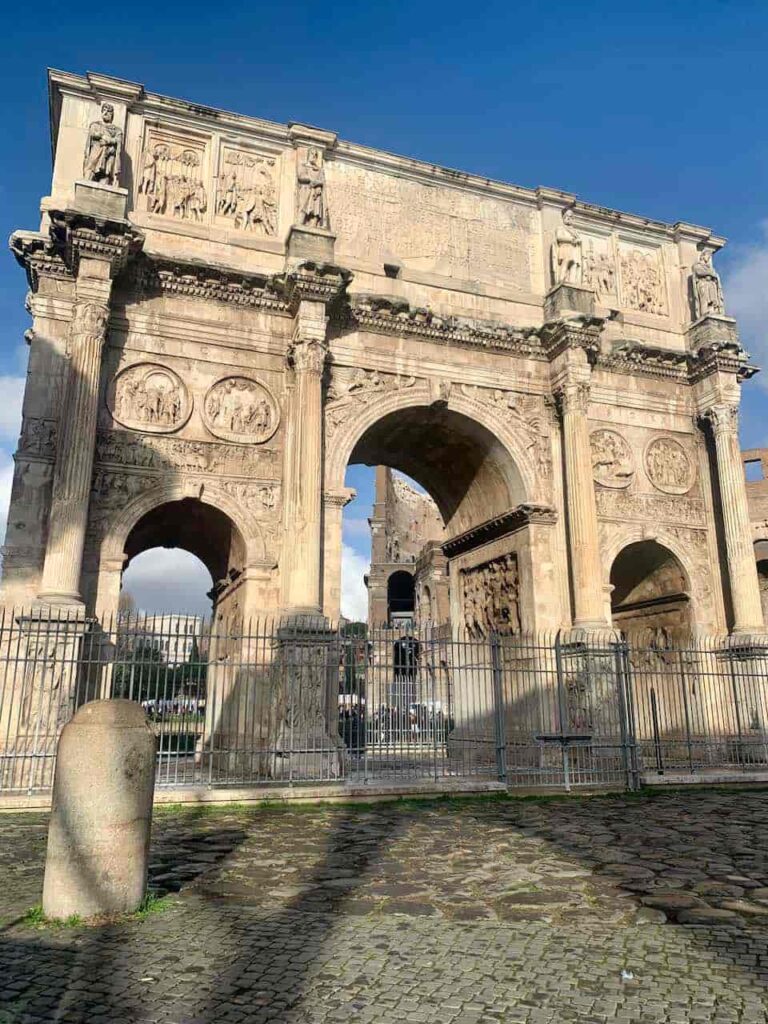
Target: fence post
[(498, 701), (626, 719), (684, 688), (562, 712)]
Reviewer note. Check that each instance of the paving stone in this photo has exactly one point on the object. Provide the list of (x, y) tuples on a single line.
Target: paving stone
[(474, 911)]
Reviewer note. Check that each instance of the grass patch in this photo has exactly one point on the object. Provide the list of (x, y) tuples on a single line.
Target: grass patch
[(35, 918), (152, 904)]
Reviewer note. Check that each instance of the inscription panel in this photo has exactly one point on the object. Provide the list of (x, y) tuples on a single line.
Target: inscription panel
[(378, 217)]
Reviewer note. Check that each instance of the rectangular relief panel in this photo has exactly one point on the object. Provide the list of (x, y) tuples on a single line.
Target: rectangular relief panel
[(247, 191), (642, 284), (174, 176)]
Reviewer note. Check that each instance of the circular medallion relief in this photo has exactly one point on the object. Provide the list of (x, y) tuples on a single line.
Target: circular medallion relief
[(241, 409), (669, 466), (612, 462), (150, 397)]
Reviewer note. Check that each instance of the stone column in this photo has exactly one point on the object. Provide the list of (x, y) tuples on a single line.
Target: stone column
[(742, 570), (74, 458), (586, 569), (334, 503), (304, 467)]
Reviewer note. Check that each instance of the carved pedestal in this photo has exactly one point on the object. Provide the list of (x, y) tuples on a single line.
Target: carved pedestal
[(568, 298), (52, 666), (308, 745)]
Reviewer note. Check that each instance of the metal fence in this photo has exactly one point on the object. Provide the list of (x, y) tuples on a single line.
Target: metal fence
[(283, 702)]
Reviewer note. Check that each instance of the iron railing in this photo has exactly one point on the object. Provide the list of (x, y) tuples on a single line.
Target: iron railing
[(297, 701)]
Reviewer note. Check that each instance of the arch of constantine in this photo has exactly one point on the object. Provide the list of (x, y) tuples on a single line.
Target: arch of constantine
[(228, 312)]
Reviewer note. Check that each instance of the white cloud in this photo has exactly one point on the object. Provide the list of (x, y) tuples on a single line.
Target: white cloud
[(11, 395), (168, 580), (357, 526), (354, 595), (746, 294)]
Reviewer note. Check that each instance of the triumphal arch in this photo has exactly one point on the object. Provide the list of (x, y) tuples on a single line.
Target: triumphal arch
[(228, 312)]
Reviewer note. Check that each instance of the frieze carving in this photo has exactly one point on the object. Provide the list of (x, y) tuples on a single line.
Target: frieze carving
[(157, 452), (38, 437), (149, 396), (172, 179), (612, 462), (642, 284), (311, 199), (103, 149), (491, 597), (241, 409), (526, 414), (669, 466), (247, 195), (650, 508)]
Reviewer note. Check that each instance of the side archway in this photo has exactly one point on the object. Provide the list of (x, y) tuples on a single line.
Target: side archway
[(650, 591)]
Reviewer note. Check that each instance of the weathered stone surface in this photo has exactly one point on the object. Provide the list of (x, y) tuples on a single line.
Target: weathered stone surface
[(98, 838), (246, 938)]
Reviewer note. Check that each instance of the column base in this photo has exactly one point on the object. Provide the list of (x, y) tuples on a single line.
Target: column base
[(54, 598)]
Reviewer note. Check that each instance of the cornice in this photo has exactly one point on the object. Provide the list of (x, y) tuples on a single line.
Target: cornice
[(500, 526), (721, 357), (313, 282), (39, 257), (161, 276), (636, 359), (393, 316), (581, 331)]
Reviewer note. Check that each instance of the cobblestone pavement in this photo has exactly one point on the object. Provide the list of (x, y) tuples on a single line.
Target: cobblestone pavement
[(455, 911)]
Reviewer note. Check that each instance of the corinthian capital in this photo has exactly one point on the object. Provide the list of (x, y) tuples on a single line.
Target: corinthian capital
[(308, 355), (572, 397), (88, 324), (723, 417)]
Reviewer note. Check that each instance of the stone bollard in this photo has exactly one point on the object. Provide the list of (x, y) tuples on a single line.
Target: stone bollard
[(98, 837)]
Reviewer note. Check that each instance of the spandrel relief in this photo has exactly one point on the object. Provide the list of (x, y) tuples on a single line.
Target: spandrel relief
[(612, 461), (669, 466), (172, 177), (149, 396), (247, 192), (241, 409)]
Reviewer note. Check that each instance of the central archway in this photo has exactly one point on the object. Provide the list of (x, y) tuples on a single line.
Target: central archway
[(481, 473)]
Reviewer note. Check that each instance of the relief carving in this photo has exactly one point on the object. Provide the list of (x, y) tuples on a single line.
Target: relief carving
[(38, 437), (172, 180), (260, 497), (566, 253), (148, 396), (103, 149), (668, 465), (612, 461), (114, 489), (599, 272), (155, 452), (241, 409), (526, 414), (311, 200), (707, 290), (491, 597), (650, 508), (351, 387), (247, 195), (642, 284)]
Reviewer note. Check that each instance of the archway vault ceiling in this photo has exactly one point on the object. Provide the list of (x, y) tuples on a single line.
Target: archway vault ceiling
[(196, 527), (468, 472)]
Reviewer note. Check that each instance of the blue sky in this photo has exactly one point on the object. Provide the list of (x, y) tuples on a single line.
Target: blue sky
[(655, 108)]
